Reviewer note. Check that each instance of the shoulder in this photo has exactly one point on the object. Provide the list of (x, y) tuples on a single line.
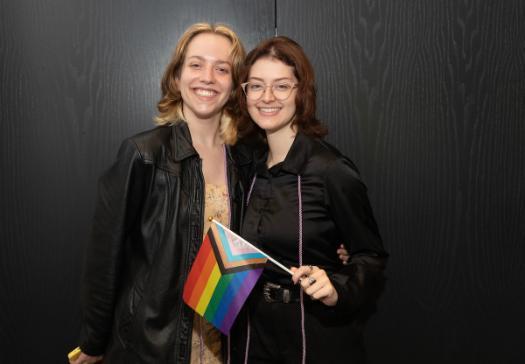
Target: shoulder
[(152, 143), (248, 149), (328, 161)]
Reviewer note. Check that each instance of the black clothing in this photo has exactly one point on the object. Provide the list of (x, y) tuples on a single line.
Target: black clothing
[(276, 337), (335, 210), (147, 230)]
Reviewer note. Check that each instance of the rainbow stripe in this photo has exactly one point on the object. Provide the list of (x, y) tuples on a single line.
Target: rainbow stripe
[(222, 276)]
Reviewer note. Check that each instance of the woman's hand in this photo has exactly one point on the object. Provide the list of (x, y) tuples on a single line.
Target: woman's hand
[(343, 254), (86, 359), (315, 283)]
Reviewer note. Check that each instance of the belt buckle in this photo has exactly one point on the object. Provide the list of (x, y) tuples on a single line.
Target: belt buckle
[(268, 286), (285, 293)]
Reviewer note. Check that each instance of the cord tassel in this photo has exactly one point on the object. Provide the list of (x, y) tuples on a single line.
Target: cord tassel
[(247, 339), (300, 202), (248, 328)]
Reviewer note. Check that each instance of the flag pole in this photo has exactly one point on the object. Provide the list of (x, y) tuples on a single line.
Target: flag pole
[(259, 250)]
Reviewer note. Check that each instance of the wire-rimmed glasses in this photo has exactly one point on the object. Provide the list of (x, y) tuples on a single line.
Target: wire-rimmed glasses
[(281, 90)]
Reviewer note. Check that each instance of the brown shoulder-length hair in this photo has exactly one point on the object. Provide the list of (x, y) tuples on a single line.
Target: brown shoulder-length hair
[(170, 105), (292, 54)]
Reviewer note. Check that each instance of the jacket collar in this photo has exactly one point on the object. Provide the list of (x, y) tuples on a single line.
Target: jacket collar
[(181, 145), (296, 159)]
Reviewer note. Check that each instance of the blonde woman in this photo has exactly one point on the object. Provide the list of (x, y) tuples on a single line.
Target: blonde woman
[(153, 206)]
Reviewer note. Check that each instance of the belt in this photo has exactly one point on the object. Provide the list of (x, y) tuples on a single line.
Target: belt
[(273, 292)]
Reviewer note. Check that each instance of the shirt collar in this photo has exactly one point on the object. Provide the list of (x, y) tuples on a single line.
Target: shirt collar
[(296, 159)]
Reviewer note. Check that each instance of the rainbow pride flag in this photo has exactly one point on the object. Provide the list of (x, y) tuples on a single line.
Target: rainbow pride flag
[(222, 276)]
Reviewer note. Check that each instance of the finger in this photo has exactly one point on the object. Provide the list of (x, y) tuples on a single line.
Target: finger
[(342, 252), (323, 290), (320, 291), (301, 272), (308, 280), (314, 281), (295, 274)]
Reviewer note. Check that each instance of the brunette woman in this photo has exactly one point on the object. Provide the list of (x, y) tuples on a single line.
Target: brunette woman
[(305, 199)]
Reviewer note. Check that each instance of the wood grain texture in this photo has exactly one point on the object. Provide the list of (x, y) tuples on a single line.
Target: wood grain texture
[(76, 78), (427, 98)]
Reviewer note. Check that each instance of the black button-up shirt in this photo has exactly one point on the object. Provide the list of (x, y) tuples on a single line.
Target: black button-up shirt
[(335, 209)]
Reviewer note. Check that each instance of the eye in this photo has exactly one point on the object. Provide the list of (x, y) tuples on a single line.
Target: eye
[(254, 87), (282, 87), (194, 65), (223, 70)]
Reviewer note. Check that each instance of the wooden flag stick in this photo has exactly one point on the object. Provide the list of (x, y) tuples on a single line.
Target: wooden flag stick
[(259, 250)]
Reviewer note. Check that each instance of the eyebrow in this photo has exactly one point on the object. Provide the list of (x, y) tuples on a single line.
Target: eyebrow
[(200, 58), (276, 80)]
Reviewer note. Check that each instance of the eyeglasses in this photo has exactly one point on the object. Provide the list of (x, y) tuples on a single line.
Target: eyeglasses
[(255, 90)]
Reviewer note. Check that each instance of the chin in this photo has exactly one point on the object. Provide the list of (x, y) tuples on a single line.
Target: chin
[(208, 112)]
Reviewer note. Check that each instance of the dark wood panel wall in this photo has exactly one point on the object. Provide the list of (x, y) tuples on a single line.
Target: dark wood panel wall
[(427, 97)]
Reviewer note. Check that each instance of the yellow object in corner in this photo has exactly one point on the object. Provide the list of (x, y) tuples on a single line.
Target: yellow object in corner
[(73, 354)]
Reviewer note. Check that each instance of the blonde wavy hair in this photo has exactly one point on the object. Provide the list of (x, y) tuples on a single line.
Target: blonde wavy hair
[(170, 105)]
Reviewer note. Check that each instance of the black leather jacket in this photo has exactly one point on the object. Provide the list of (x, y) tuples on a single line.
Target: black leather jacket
[(147, 229)]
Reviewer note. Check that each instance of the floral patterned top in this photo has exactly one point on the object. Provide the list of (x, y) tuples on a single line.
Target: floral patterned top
[(206, 339)]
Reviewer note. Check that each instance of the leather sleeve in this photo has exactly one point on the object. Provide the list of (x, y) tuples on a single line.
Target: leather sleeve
[(360, 283), (118, 204)]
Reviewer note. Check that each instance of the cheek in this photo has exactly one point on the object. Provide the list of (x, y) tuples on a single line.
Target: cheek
[(227, 83), (250, 106), (292, 108), (183, 81), (187, 76)]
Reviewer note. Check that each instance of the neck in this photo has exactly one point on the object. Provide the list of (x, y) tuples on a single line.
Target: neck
[(279, 144), (204, 132)]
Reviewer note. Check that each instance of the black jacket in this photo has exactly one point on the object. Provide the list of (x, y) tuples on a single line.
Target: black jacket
[(147, 229)]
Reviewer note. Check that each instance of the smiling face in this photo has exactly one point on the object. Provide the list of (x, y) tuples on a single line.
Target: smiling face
[(205, 80), (272, 115)]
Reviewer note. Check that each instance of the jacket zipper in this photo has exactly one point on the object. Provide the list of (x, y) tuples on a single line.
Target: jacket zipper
[(192, 229)]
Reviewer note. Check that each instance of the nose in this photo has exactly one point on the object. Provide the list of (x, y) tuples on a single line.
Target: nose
[(268, 94), (208, 75)]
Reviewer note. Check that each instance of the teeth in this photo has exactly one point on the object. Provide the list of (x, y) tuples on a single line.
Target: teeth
[(269, 109), (202, 92)]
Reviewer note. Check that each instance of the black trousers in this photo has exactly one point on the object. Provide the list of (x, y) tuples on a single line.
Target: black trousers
[(275, 334)]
